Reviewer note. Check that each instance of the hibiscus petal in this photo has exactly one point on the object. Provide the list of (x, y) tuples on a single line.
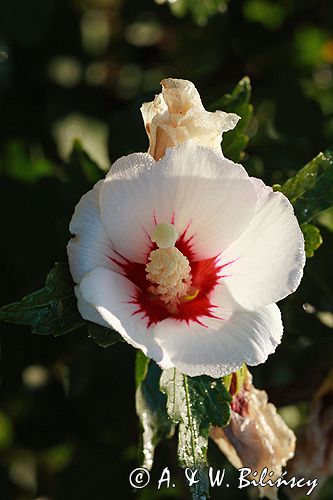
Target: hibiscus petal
[(91, 246), (269, 254), (205, 195), (218, 347), (111, 295), (88, 311)]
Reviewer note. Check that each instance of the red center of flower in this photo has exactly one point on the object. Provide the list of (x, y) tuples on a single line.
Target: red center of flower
[(206, 274)]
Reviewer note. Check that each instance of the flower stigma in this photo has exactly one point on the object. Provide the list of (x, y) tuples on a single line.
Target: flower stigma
[(169, 269)]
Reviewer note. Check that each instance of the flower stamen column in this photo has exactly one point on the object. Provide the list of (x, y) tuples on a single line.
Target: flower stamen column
[(168, 268)]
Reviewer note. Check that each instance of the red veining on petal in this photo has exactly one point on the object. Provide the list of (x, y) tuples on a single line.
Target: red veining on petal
[(185, 244), (206, 275)]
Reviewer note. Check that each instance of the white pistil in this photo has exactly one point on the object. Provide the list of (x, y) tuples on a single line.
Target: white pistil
[(165, 235), (168, 268)]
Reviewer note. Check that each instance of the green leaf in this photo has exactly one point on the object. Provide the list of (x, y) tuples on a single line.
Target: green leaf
[(211, 402), (82, 167), (311, 189), (326, 219), (52, 310), (151, 408), (312, 238), (195, 404), (141, 367), (192, 446), (235, 141), (104, 337), (18, 162)]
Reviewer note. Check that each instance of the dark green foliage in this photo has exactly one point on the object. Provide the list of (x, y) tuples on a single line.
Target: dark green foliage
[(104, 337), (311, 189), (81, 166), (235, 141), (151, 408), (311, 193), (195, 404), (211, 401), (141, 367), (51, 310), (192, 445), (312, 239)]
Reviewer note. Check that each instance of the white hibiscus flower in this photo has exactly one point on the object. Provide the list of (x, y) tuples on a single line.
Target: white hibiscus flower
[(185, 257)]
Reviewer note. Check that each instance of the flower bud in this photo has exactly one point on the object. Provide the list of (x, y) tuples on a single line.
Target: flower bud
[(177, 115), (256, 436)]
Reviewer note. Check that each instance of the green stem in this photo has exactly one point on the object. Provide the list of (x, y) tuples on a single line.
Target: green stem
[(189, 416)]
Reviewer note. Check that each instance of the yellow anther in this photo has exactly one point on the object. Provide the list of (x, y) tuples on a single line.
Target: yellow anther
[(189, 297)]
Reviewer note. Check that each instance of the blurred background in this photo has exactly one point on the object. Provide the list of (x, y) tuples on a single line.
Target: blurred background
[(81, 69)]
